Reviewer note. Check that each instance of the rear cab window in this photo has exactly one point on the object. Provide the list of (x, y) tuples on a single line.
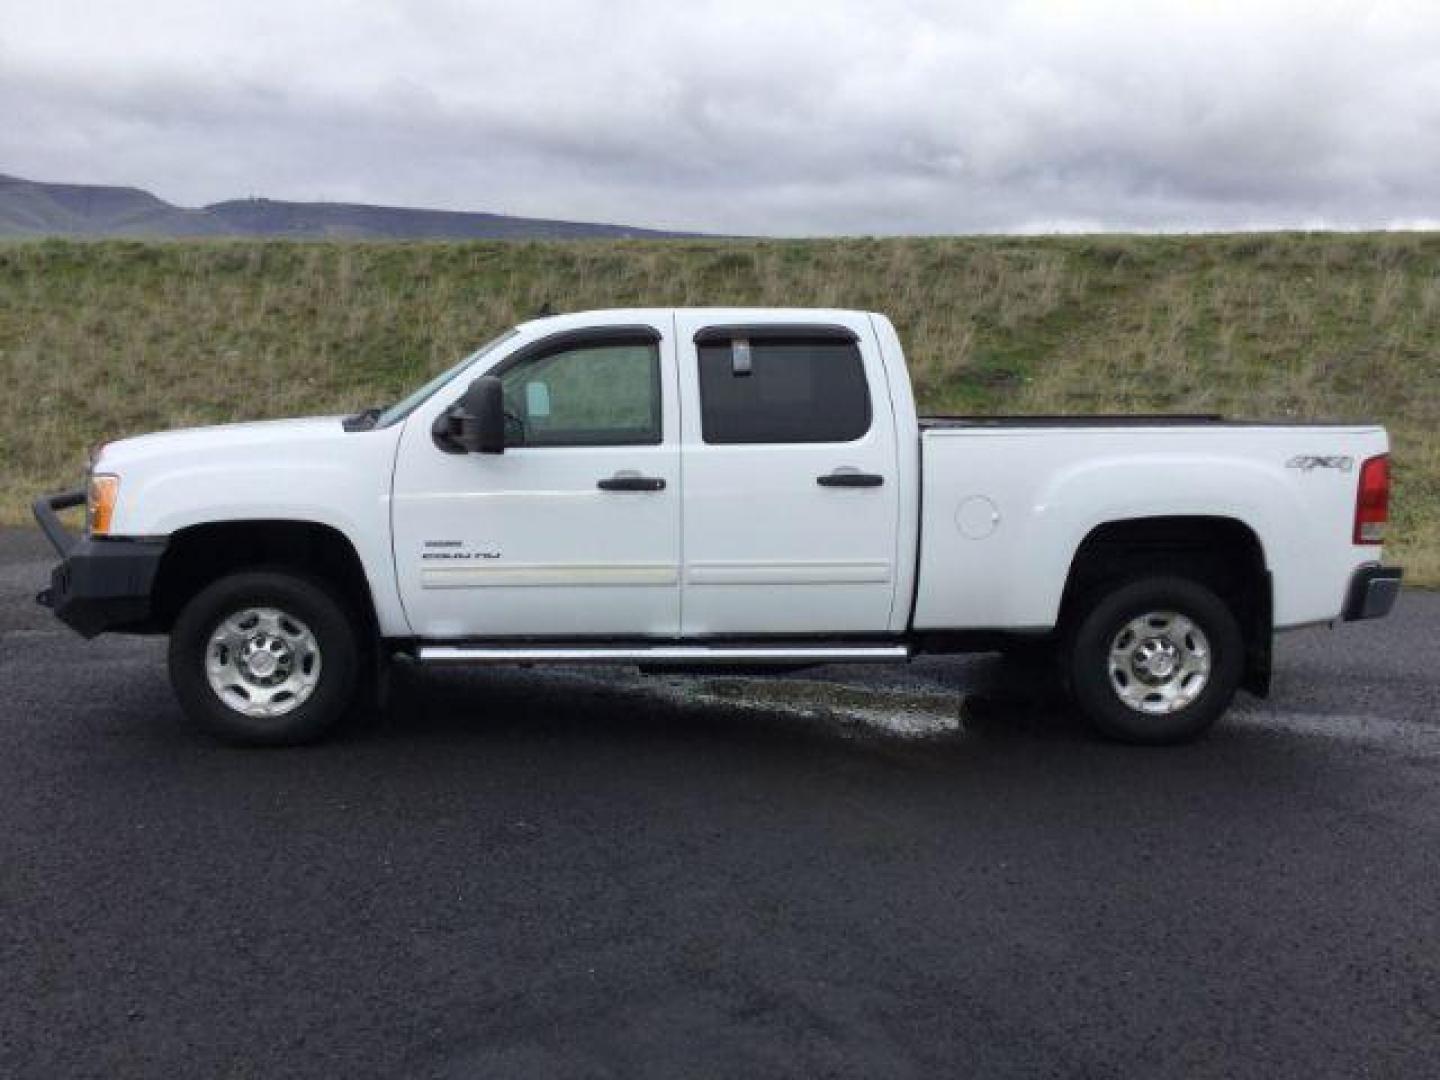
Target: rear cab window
[(781, 384)]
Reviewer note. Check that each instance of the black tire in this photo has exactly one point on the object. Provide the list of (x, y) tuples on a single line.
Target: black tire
[(1099, 622), (305, 599)]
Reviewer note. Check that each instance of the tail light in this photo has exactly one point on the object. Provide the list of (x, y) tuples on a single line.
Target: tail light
[(1372, 500)]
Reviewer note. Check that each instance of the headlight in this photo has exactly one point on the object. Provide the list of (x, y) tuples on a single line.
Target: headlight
[(100, 503)]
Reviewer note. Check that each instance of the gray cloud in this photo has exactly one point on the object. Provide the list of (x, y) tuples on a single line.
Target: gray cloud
[(829, 116)]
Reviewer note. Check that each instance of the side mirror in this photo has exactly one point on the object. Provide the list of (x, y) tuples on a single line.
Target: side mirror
[(476, 423)]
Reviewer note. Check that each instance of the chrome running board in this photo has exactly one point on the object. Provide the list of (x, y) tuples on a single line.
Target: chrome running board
[(662, 654)]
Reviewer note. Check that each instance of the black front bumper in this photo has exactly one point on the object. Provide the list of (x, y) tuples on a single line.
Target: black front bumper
[(1372, 592), (101, 584)]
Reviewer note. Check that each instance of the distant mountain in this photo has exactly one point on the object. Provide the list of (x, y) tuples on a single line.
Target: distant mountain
[(30, 209)]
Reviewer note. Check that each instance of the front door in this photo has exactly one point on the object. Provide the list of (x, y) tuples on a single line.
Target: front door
[(574, 530), (791, 511)]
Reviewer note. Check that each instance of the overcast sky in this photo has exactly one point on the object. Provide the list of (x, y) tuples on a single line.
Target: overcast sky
[(752, 116)]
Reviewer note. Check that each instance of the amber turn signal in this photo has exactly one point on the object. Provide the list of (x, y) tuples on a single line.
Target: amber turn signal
[(100, 503)]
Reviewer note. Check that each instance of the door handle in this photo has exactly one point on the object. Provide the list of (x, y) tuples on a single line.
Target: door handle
[(630, 482), (850, 478)]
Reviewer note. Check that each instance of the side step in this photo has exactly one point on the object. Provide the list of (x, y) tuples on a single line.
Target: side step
[(660, 655)]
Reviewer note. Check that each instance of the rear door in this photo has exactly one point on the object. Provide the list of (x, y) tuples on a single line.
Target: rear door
[(790, 512)]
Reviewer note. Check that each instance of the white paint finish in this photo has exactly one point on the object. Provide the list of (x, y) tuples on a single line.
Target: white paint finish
[(811, 572), (284, 470), (538, 508), (907, 469), (767, 549), (1053, 486)]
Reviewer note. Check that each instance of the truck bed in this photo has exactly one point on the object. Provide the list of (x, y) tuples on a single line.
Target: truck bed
[(1008, 500)]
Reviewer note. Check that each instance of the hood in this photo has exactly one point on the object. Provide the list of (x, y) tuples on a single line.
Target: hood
[(220, 437)]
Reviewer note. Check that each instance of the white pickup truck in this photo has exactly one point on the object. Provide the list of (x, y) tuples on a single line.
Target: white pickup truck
[(676, 488)]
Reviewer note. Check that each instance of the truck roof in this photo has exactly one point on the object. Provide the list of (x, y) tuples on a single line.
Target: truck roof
[(602, 316)]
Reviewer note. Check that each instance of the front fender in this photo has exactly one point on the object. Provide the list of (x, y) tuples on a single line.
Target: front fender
[(346, 488)]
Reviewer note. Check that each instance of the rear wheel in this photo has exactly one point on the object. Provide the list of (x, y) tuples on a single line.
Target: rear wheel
[(265, 658), (1155, 660)]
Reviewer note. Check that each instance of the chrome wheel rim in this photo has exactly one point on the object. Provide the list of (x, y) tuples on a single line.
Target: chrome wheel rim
[(1159, 662), (262, 662)]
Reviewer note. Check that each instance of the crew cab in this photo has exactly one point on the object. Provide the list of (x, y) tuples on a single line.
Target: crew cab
[(694, 487)]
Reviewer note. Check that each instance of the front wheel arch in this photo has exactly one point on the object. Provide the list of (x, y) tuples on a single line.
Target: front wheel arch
[(198, 555)]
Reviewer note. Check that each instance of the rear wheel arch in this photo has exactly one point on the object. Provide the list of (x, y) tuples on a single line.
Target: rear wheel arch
[(1222, 553)]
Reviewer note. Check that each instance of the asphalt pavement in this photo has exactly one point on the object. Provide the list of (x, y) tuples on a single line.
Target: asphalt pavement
[(917, 872)]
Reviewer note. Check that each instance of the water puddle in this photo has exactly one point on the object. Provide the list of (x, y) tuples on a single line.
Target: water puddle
[(904, 712)]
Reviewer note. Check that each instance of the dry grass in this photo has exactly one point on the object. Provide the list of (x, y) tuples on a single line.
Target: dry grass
[(104, 339)]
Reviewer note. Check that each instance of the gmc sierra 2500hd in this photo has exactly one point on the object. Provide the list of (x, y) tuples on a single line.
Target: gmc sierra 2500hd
[(675, 488)]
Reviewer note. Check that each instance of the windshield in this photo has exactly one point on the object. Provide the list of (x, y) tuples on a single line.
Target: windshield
[(404, 407)]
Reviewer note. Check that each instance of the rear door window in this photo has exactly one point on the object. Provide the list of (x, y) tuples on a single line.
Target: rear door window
[(782, 390)]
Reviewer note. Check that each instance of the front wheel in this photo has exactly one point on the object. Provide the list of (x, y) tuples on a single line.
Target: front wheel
[(264, 658), (1156, 660)]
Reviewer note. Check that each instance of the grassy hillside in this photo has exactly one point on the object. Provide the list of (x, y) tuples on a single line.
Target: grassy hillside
[(103, 339)]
